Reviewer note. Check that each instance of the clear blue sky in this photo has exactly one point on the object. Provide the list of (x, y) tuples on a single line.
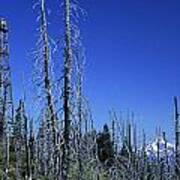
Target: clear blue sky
[(132, 49)]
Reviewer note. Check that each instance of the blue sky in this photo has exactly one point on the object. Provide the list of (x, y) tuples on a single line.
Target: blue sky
[(132, 50)]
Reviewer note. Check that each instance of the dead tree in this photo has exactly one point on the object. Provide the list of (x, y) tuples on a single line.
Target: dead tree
[(28, 174), (79, 113), (177, 138), (143, 169), (41, 150), (51, 119), (44, 85), (32, 151), (113, 131), (46, 63), (18, 138), (66, 92), (6, 102)]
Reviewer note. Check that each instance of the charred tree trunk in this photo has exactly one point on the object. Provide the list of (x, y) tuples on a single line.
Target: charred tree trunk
[(32, 151), (47, 81), (80, 113), (177, 137), (51, 124), (5, 138), (27, 152), (66, 91)]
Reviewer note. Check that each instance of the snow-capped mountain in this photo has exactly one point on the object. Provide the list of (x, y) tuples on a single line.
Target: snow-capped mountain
[(152, 148)]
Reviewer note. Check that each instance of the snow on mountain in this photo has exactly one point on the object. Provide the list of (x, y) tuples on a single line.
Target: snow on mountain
[(152, 148)]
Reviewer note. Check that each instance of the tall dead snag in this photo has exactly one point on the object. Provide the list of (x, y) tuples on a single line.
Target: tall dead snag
[(177, 137), (66, 92), (5, 139), (158, 146), (47, 81), (22, 155), (113, 131), (135, 147), (143, 169), (44, 83), (32, 151), (6, 104), (18, 138), (79, 113), (41, 148), (165, 168), (28, 174)]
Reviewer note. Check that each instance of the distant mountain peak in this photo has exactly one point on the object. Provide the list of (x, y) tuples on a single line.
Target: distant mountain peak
[(152, 148)]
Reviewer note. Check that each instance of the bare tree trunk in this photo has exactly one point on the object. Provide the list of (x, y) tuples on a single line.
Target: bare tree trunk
[(27, 150), (113, 131), (144, 156), (6, 107), (5, 138), (79, 107), (66, 91), (41, 148), (177, 138), (51, 124), (32, 152), (6, 157), (18, 141), (47, 81)]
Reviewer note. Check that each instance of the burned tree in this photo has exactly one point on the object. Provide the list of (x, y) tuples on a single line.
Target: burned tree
[(46, 70), (79, 113), (66, 91), (177, 137), (6, 104), (22, 155), (32, 150), (44, 85)]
